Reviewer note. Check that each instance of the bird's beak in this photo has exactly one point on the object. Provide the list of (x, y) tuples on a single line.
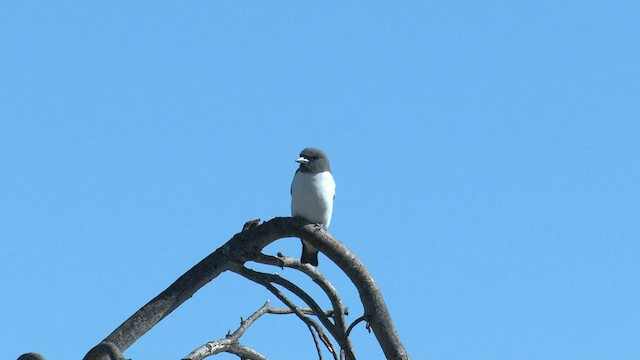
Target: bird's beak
[(302, 160)]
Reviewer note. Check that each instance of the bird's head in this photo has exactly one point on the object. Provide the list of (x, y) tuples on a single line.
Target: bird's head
[(313, 160)]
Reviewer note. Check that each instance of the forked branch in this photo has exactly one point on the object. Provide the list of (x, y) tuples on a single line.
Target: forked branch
[(338, 327), (314, 327), (247, 246)]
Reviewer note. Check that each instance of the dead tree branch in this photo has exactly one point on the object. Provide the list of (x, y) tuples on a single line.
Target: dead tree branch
[(231, 343), (306, 311), (338, 330), (263, 280), (354, 323), (246, 246)]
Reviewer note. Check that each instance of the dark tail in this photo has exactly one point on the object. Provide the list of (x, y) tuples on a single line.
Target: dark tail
[(309, 256)]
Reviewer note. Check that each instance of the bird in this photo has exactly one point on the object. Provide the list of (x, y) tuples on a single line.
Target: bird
[(312, 193)]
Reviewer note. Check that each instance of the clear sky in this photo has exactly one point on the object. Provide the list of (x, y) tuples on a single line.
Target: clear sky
[(486, 156)]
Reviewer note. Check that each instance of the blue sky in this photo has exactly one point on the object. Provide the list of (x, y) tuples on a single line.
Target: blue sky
[(485, 154)]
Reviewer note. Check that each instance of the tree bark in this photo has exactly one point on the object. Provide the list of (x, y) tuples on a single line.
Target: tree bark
[(246, 246)]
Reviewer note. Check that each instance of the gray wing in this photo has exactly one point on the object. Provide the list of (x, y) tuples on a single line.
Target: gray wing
[(291, 187)]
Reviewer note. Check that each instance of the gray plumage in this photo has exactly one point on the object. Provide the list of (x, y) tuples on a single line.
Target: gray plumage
[(312, 193)]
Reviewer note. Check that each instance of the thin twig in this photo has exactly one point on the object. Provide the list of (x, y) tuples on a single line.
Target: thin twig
[(287, 311), (354, 323), (295, 289), (244, 324), (245, 352), (230, 342), (316, 342), (258, 278), (339, 330)]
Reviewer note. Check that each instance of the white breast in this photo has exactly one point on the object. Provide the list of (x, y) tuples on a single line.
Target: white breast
[(312, 197)]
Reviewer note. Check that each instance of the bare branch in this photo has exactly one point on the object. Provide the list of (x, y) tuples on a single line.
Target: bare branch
[(339, 330), (31, 356), (228, 347), (262, 280), (104, 351), (316, 342), (315, 275), (374, 306), (273, 278), (354, 323), (244, 325), (246, 246), (230, 342), (306, 311), (245, 352)]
